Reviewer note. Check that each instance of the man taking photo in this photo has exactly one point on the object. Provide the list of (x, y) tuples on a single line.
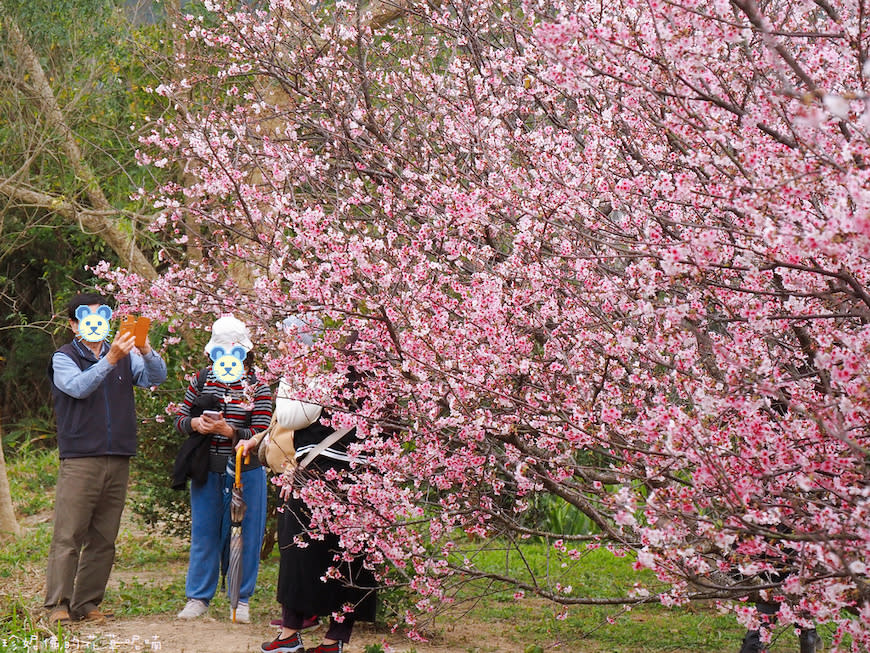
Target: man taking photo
[(92, 385)]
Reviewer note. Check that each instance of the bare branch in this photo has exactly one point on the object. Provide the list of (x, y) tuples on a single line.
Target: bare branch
[(121, 242)]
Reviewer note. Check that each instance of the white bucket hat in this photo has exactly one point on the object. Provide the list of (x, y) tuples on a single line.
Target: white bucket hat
[(227, 332)]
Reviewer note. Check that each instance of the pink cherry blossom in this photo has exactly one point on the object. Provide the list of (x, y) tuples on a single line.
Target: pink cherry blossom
[(614, 254)]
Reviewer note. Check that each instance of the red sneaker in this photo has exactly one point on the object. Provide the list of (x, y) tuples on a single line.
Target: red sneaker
[(292, 644)]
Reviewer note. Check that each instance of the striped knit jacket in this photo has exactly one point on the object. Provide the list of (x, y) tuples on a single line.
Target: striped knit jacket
[(246, 405)]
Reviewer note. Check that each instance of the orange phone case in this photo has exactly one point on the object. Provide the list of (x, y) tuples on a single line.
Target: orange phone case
[(128, 325), (141, 331)]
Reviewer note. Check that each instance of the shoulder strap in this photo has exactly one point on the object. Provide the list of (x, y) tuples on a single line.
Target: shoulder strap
[(201, 376), (335, 436)]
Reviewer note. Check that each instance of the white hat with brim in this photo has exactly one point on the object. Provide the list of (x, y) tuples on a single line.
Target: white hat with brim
[(228, 332)]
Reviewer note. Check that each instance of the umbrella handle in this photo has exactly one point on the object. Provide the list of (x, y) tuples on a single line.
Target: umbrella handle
[(239, 465)]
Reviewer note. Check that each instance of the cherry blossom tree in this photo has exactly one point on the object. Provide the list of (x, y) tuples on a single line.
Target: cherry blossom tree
[(613, 253)]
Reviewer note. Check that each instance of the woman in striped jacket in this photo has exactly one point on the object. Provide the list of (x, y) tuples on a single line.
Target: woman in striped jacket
[(227, 404)]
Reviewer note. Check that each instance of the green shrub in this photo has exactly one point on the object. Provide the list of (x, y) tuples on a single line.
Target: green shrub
[(555, 515), (373, 648), (32, 474)]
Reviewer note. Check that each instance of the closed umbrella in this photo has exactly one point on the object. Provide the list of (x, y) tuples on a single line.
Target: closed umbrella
[(237, 513)]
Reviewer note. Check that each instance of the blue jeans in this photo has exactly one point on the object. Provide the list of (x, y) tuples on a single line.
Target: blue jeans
[(210, 532)]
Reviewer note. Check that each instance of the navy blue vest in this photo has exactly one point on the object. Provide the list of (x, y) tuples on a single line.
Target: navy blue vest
[(102, 424)]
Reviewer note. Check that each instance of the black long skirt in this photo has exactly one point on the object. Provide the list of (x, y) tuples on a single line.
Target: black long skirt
[(302, 583)]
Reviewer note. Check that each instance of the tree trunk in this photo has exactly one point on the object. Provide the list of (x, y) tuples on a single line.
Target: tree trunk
[(101, 220), (8, 524)]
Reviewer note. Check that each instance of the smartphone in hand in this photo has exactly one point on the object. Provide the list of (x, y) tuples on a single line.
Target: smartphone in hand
[(128, 325), (212, 414), (141, 331), (136, 325)]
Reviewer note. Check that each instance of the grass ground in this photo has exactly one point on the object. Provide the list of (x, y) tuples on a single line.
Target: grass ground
[(148, 581)]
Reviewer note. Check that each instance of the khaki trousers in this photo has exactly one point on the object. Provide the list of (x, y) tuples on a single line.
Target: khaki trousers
[(89, 500)]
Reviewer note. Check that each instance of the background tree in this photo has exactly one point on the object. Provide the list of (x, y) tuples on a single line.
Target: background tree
[(613, 254), (8, 522), (45, 128), (71, 78)]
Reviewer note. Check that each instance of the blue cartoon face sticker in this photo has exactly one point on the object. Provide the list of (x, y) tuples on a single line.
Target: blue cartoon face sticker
[(94, 326), (229, 367)]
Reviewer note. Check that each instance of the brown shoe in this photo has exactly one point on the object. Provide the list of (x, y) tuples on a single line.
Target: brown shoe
[(59, 615), (97, 615)]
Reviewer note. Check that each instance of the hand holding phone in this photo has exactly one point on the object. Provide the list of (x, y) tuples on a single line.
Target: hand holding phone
[(128, 325), (212, 414), (136, 325)]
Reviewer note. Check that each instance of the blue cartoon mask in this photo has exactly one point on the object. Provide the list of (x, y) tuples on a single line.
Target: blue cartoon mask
[(94, 327), (228, 367)]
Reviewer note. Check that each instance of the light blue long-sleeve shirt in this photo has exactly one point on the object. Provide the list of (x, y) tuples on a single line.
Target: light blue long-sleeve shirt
[(148, 370)]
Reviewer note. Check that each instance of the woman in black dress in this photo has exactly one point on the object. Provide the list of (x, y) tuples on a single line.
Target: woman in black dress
[(303, 589), (302, 592)]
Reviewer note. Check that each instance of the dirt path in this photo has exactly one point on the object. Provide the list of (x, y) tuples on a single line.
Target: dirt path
[(214, 633), (211, 635)]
